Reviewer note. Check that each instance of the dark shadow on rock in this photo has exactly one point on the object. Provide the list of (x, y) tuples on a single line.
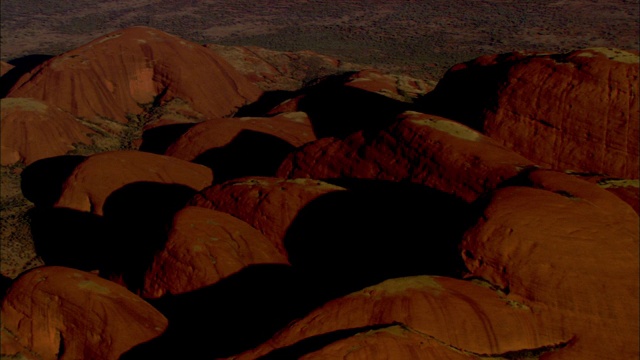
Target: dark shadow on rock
[(233, 315), (21, 66), (465, 95), (70, 238), (342, 110), (315, 343), (267, 101), (250, 153), (337, 110), (157, 140), (377, 230), (138, 216), (42, 180), (5, 283)]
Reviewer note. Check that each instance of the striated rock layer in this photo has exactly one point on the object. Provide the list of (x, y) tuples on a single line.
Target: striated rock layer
[(32, 130), (61, 313), (115, 74), (576, 111)]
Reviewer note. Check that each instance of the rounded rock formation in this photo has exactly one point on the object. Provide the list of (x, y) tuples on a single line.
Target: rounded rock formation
[(100, 175), (267, 204), (113, 75), (61, 313), (575, 111), (567, 246), (418, 148), (203, 247), (33, 130), (456, 315)]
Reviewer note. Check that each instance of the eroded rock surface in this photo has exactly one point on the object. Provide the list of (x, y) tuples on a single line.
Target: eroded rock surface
[(62, 313), (203, 247), (113, 75), (575, 111), (418, 148)]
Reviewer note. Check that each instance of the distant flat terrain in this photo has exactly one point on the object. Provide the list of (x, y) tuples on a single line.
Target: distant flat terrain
[(417, 37)]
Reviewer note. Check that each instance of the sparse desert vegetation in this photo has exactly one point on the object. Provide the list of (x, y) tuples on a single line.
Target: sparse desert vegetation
[(422, 38)]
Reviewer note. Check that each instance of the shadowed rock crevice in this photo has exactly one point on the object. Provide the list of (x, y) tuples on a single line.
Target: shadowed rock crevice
[(377, 230), (121, 244), (42, 181), (317, 342), (139, 215), (21, 67), (235, 314), (336, 110), (250, 153), (158, 139)]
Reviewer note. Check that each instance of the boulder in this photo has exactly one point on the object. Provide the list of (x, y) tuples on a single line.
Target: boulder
[(33, 130), (99, 176), (562, 244), (447, 315), (575, 111), (418, 148), (203, 247), (62, 313), (267, 204), (112, 76), (241, 147)]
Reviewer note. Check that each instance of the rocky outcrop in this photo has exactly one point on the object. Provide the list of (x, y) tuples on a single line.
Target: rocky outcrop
[(418, 148), (575, 111), (240, 147), (552, 245), (62, 313), (444, 315), (203, 247), (33, 130), (112, 76), (95, 179), (267, 204)]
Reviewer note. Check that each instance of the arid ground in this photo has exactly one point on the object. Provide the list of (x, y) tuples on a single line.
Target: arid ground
[(418, 37)]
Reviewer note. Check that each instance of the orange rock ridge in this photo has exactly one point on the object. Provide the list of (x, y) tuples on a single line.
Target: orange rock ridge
[(97, 177), (203, 247), (60, 313), (32, 130), (419, 148), (575, 111), (268, 204), (113, 75)]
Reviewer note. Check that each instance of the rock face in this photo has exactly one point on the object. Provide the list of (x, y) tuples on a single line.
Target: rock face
[(397, 87), (203, 247), (61, 313), (267, 204), (444, 315), (243, 146), (32, 130), (96, 178), (418, 148), (576, 111), (552, 246), (113, 75)]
